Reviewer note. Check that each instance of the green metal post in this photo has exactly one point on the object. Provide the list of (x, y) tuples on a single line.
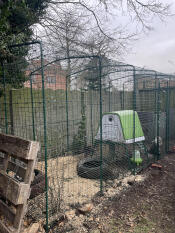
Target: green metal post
[(45, 136), (101, 130), (134, 109), (155, 107), (45, 127), (123, 102), (67, 114), (167, 117), (33, 115), (158, 121), (83, 117), (91, 109), (109, 97), (5, 99), (11, 111)]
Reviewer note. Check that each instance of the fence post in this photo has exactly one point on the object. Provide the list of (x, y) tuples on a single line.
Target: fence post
[(109, 96), (167, 117), (33, 116), (5, 99), (101, 130), (155, 107), (45, 136), (134, 109), (123, 97), (11, 111), (91, 115), (137, 96), (83, 118), (158, 120), (67, 114)]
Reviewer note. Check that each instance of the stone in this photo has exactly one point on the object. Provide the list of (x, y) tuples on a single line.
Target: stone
[(139, 178), (87, 208), (95, 231), (33, 228), (70, 214)]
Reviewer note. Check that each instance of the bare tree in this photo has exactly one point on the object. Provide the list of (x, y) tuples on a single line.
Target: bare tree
[(78, 27), (139, 10), (71, 31), (63, 34)]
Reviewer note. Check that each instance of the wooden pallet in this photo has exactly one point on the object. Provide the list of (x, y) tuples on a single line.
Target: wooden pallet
[(15, 180)]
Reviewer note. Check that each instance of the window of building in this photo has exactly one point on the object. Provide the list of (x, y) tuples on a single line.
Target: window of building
[(34, 78), (51, 79)]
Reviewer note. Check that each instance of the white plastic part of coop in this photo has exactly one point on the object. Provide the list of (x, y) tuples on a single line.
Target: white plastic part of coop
[(119, 127)]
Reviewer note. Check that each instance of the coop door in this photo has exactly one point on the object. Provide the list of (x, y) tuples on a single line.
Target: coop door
[(112, 128)]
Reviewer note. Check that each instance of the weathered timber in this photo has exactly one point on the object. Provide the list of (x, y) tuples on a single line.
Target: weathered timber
[(7, 212), (18, 147), (5, 162), (9, 229), (12, 166), (20, 212), (14, 191)]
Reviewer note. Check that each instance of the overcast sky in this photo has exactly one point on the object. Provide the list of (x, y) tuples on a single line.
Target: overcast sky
[(157, 49), (154, 50)]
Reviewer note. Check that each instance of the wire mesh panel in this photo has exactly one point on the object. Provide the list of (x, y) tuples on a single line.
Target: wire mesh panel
[(22, 112), (97, 121), (147, 110), (166, 86), (116, 152), (170, 116)]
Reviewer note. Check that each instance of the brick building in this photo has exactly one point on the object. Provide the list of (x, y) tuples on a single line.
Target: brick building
[(151, 82), (54, 75)]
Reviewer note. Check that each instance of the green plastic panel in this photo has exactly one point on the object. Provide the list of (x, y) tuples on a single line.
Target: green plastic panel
[(127, 122)]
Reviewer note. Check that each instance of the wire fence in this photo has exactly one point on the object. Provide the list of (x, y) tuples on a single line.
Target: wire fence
[(97, 120)]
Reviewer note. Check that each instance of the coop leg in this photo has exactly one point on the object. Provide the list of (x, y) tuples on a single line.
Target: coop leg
[(142, 146), (146, 153), (127, 154), (112, 150)]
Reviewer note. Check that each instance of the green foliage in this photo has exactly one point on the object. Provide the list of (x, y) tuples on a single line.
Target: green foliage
[(79, 139), (16, 19), (13, 74), (92, 75)]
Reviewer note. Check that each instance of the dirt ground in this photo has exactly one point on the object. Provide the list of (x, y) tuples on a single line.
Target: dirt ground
[(63, 179), (67, 189), (145, 204)]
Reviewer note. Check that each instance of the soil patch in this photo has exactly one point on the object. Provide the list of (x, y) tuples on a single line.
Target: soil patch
[(143, 206)]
